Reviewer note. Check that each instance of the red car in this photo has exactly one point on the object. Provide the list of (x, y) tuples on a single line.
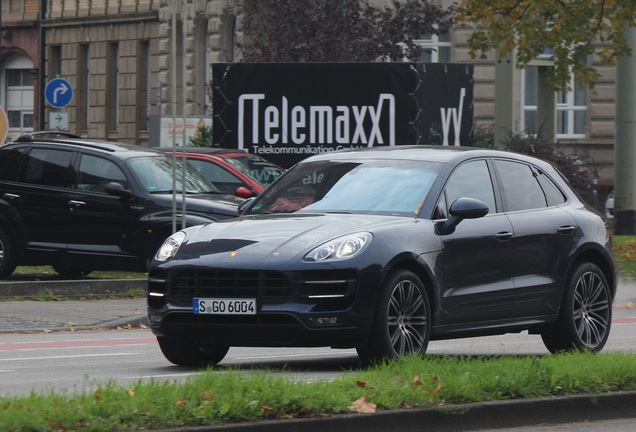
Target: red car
[(233, 171)]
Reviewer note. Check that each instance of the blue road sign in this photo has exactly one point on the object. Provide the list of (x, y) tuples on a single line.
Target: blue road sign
[(58, 93)]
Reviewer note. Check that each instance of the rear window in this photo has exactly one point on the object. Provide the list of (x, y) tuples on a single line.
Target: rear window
[(44, 167)]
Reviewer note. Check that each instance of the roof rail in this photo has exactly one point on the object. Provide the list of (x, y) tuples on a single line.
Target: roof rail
[(29, 137)]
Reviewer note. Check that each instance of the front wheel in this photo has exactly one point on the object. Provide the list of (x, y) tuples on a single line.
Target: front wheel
[(586, 312), (8, 256), (184, 353), (402, 320)]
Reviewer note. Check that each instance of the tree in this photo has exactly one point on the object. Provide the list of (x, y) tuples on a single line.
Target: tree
[(337, 30), (571, 29)]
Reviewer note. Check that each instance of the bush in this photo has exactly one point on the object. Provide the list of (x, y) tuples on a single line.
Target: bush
[(203, 137)]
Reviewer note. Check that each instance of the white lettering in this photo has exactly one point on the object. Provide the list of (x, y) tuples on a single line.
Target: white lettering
[(297, 122), (271, 122), (284, 123), (321, 118), (450, 114), (255, 98)]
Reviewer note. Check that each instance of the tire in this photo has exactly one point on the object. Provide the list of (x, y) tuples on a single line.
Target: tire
[(71, 272), (402, 320), (586, 313), (7, 256), (187, 354)]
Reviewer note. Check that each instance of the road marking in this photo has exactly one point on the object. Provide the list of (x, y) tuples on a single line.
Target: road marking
[(624, 321), (21, 346), (65, 357)]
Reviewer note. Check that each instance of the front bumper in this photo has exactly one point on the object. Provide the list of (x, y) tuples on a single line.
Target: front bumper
[(328, 307)]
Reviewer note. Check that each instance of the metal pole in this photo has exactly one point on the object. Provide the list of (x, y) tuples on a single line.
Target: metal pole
[(174, 6), (625, 145), (183, 107)]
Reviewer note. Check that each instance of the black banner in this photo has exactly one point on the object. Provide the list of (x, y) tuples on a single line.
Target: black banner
[(285, 112)]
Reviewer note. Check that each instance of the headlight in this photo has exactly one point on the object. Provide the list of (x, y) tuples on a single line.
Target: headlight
[(170, 247), (341, 248)]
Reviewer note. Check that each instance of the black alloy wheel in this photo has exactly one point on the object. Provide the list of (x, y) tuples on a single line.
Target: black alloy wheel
[(402, 321), (586, 313)]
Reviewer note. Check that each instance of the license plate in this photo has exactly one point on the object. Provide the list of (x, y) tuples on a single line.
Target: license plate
[(224, 306)]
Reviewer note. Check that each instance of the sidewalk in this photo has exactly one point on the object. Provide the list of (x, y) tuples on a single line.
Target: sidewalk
[(34, 316), (38, 316)]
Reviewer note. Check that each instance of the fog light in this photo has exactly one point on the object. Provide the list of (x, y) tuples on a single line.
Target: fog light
[(155, 318), (325, 320)]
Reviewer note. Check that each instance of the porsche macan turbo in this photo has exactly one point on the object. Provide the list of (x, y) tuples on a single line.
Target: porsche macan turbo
[(384, 249)]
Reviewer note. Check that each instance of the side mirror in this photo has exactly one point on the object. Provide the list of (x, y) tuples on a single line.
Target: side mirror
[(243, 192), (116, 189), (245, 204), (462, 208)]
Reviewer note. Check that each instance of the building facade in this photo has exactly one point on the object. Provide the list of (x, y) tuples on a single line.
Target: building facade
[(117, 56)]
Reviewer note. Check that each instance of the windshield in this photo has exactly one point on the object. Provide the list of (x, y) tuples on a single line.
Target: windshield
[(256, 168), (393, 187), (155, 176)]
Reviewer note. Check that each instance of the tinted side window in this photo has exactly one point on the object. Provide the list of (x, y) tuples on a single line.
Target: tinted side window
[(9, 163), (552, 192), (471, 180), (95, 173), (223, 180), (45, 167), (521, 188)]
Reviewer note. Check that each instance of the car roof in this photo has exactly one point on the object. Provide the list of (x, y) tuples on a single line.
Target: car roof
[(433, 153), (208, 150), (124, 150)]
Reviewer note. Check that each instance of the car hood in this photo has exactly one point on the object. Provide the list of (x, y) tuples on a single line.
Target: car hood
[(272, 237), (221, 204)]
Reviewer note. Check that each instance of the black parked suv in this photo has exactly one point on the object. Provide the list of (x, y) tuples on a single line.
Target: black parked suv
[(82, 205)]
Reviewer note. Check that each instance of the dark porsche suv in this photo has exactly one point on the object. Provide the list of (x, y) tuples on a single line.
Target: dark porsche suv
[(82, 205), (383, 249)]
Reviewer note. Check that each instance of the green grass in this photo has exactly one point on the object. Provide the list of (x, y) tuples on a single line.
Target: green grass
[(625, 253), (47, 272), (232, 395)]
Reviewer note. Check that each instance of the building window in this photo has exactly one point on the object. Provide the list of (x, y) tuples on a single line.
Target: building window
[(571, 107), (437, 49), (15, 6), (19, 101), (112, 87), (55, 61), (143, 85), (83, 78)]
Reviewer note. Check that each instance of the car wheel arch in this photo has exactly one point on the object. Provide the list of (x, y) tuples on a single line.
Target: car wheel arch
[(596, 256), (420, 269)]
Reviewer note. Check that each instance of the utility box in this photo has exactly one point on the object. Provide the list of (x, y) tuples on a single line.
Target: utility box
[(285, 112)]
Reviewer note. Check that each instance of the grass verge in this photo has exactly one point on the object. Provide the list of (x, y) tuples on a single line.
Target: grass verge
[(235, 396), (625, 253)]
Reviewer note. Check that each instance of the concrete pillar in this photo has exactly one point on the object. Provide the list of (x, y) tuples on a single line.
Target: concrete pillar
[(505, 91), (546, 107), (625, 142)]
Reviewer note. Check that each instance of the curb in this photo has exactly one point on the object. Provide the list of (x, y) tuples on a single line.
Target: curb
[(454, 418), (72, 287)]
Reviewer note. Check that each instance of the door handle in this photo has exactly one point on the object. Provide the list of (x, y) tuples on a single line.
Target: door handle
[(503, 236), (565, 230), (10, 196), (76, 203)]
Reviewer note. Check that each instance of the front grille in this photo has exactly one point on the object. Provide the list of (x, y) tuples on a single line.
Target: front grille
[(230, 284)]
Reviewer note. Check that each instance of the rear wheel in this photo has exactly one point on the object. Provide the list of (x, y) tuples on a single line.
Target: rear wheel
[(586, 313), (402, 320), (184, 353), (7, 256)]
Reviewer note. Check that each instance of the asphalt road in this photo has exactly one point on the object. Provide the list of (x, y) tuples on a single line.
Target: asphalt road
[(77, 360)]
